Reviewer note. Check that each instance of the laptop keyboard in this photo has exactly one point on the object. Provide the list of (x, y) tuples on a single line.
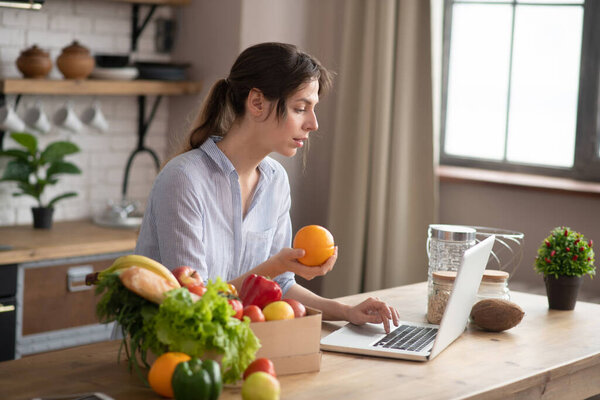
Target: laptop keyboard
[(406, 337)]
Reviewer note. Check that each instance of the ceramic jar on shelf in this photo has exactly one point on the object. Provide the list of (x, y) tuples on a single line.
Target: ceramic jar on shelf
[(75, 61), (34, 63)]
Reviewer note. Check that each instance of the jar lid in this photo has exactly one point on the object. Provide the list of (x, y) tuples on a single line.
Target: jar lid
[(494, 275), (34, 51), (452, 232), (446, 276), (489, 275), (76, 48)]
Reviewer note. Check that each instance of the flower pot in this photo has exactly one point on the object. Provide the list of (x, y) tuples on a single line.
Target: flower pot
[(562, 291), (42, 217)]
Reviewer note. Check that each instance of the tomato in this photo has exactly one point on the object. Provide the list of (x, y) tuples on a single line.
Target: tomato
[(254, 313), (197, 289), (260, 364), (237, 307), (299, 309)]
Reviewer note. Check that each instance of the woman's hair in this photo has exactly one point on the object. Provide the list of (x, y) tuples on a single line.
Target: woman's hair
[(276, 69)]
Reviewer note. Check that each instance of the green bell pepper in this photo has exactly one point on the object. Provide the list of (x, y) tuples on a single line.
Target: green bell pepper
[(197, 380)]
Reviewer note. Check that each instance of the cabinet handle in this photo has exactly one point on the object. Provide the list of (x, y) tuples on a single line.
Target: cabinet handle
[(4, 308), (76, 278)]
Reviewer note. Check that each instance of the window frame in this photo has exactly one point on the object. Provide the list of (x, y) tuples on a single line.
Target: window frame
[(586, 164)]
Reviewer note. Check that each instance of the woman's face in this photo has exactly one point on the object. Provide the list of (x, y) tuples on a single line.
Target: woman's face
[(286, 135)]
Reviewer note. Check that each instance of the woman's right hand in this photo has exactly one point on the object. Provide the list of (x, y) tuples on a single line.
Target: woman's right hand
[(288, 259)]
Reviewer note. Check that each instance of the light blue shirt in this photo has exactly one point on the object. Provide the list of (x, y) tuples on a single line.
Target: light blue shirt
[(194, 216)]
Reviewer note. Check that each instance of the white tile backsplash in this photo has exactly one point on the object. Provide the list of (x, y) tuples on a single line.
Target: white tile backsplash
[(102, 26)]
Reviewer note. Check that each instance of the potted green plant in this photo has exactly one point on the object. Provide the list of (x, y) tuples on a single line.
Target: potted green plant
[(564, 258), (33, 169)]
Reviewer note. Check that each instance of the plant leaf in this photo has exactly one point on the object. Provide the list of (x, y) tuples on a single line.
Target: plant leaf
[(17, 170), (57, 150), (62, 167), (19, 154), (29, 189), (60, 197), (26, 140)]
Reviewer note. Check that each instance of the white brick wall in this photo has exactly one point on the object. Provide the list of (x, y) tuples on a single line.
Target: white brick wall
[(103, 27)]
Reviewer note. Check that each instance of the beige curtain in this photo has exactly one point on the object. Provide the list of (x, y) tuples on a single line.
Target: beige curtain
[(382, 182)]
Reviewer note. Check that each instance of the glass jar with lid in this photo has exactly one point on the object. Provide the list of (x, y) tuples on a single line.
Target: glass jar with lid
[(494, 284), (446, 245), (442, 282)]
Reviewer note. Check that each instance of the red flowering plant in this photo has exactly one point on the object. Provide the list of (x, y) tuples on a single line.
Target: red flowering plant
[(567, 253)]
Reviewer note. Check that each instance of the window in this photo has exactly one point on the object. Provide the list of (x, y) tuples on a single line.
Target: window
[(521, 86)]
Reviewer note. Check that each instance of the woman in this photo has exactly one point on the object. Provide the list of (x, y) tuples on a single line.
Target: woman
[(222, 205)]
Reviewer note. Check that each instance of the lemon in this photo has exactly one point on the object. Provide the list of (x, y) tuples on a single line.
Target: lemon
[(278, 310)]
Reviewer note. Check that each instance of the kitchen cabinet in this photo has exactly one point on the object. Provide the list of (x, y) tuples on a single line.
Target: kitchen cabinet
[(42, 292), (8, 314), (56, 297)]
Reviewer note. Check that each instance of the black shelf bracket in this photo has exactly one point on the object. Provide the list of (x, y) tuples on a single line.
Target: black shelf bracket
[(2, 103), (143, 125), (136, 27)]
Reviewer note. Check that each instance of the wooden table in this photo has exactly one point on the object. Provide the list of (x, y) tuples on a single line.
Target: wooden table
[(550, 355)]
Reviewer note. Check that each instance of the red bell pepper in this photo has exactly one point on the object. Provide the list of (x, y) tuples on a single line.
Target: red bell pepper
[(259, 291)]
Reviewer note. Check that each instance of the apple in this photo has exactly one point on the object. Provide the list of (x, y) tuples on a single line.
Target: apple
[(261, 386), (260, 364), (299, 309), (197, 289), (254, 313), (187, 276)]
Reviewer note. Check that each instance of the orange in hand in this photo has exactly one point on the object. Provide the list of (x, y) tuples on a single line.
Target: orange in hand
[(317, 243), (162, 370)]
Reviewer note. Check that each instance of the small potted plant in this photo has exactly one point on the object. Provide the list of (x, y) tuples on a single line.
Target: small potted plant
[(564, 258), (33, 169)]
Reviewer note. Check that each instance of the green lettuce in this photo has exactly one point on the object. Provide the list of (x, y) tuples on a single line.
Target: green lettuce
[(205, 328)]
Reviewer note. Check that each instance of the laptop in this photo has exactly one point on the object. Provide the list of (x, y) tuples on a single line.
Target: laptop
[(416, 340)]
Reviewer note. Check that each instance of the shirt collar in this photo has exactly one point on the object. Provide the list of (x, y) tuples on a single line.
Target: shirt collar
[(220, 159), (210, 148)]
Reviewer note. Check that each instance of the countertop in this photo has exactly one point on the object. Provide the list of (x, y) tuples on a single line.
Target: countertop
[(550, 354), (65, 239)]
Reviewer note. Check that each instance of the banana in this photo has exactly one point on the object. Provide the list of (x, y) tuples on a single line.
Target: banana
[(124, 262)]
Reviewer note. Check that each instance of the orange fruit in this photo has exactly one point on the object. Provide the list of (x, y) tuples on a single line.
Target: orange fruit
[(317, 242), (278, 310), (162, 370)]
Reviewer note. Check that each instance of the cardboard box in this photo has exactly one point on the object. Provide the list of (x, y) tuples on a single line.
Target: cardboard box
[(293, 344)]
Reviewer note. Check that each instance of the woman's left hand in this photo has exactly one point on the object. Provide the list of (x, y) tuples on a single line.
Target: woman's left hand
[(375, 311), (288, 259)]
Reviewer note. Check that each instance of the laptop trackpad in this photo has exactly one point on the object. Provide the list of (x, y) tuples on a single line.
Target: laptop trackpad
[(356, 335)]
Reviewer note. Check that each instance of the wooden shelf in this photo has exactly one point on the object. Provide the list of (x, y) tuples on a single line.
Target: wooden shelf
[(97, 87), (157, 2)]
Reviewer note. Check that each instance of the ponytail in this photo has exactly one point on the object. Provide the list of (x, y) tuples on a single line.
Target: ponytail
[(215, 117)]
